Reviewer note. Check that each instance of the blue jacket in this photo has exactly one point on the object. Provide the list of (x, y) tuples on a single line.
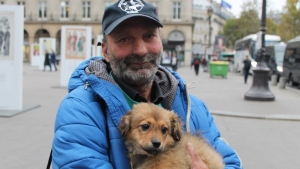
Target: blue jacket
[(86, 133)]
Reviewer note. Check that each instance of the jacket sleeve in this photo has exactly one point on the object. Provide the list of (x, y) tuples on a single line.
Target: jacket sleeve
[(202, 120), (80, 135)]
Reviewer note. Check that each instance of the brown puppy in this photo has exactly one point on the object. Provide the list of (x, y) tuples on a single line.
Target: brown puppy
[(155, 140)]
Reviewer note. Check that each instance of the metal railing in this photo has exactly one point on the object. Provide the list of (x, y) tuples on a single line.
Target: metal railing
[(97, 18)]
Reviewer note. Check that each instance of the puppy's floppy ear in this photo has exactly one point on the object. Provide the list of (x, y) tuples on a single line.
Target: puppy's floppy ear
[(125, 124), (176, 127)]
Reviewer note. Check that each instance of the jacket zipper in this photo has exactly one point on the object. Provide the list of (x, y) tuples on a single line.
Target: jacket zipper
[(86, 85)]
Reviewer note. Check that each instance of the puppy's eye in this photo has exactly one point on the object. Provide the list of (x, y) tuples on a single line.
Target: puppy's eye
[(145, 127), (164, 130)]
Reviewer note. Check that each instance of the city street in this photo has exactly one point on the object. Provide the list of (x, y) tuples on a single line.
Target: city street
[(266, 135)]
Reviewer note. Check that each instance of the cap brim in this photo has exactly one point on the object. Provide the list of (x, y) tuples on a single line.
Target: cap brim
[(113, 25)]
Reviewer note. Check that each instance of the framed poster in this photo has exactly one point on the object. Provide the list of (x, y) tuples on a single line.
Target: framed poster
[(76, 47), (45, 44), (11, 57), (7, 29), (75, 43), (35, 54)]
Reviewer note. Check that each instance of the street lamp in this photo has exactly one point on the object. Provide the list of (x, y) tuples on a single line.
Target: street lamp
[(259, 90), (209, 14)]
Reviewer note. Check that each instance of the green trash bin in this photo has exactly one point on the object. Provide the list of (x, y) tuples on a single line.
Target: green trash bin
[(218, 68)]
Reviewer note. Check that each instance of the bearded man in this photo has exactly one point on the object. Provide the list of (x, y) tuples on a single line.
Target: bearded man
[(102, 90)]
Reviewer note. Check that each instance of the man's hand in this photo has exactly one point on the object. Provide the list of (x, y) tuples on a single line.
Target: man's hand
[(197, 162)]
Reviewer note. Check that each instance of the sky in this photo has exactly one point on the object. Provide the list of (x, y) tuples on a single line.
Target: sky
[(271, 4)]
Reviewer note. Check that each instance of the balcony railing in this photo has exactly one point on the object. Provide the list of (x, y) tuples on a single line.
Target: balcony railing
[(57, 18), (97, 18)]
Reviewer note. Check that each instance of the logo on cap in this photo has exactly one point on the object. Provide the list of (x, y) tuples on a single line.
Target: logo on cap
[(131, 6)]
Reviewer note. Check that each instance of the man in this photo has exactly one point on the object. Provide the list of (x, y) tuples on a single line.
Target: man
[(102, 90), (196, 64), (53, 59), (247, 66)]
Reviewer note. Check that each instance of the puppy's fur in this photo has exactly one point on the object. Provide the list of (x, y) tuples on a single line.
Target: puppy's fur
[(155, 140)]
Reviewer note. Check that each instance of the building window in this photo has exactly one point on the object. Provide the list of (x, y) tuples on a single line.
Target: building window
[(86, 9), (176, 10), (42, 10), (22, 3), (64, 9), (108, 3)]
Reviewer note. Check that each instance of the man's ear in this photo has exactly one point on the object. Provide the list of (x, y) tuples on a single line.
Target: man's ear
[(104, 51)]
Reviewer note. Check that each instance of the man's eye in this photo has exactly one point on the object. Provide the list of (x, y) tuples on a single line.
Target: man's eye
[(145, 127), (123, 40), (151, 36)]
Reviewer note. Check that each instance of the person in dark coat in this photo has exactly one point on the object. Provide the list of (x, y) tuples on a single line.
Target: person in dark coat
[(247, 66), (47, 60), (196, 64), (53, 59)]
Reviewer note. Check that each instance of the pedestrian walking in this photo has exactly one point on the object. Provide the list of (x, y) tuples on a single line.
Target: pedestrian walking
[(247, 66), (47, 60), (53, 59), (196, 64), (103, 89), (204, 63)]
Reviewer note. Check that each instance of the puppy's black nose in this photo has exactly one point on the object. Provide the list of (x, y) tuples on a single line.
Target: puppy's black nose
[(156, 143)]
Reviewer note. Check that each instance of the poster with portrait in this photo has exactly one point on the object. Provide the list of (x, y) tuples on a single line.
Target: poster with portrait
[(75, 43), (11, 57), (35, 54), (7, 27), (220, 44), (76, 46), (46, 45)]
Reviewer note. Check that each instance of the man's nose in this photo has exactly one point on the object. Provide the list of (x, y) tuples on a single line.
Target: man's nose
[(140, 47)]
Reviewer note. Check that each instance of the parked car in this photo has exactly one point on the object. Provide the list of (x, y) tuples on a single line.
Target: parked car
[(276, 53), (291, 62)]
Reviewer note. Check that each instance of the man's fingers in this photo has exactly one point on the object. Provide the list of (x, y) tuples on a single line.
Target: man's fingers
[(191, 151), (197, 162)]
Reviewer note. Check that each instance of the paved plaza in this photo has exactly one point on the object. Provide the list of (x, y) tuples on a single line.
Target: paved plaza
[(266, 135)]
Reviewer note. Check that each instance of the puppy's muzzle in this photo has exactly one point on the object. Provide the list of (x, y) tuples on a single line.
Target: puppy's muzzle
[(156, 143)]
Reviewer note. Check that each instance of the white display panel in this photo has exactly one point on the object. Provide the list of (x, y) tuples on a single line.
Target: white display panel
[(35, 54), (75, 48), (45, 44), (99, 48), (11, 57)]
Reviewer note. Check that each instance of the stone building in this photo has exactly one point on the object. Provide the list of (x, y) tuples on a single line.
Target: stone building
[(44, 18)]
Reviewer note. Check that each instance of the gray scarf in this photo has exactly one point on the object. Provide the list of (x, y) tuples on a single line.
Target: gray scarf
[(167, 82)]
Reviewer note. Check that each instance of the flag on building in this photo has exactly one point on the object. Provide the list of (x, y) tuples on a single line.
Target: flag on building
[(224, 4)]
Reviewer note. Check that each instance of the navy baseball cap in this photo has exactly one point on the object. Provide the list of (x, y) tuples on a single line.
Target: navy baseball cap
[(125, 9)]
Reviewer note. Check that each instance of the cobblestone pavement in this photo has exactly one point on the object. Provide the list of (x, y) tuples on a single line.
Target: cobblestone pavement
[(266, 135)]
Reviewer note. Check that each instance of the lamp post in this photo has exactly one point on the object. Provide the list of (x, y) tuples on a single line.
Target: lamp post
[(259, 90), (209, 14)]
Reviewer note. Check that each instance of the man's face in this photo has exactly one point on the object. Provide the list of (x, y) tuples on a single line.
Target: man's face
[(134, 49)]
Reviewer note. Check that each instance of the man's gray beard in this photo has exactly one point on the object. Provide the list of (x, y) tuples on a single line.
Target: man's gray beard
[(131, 76)]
